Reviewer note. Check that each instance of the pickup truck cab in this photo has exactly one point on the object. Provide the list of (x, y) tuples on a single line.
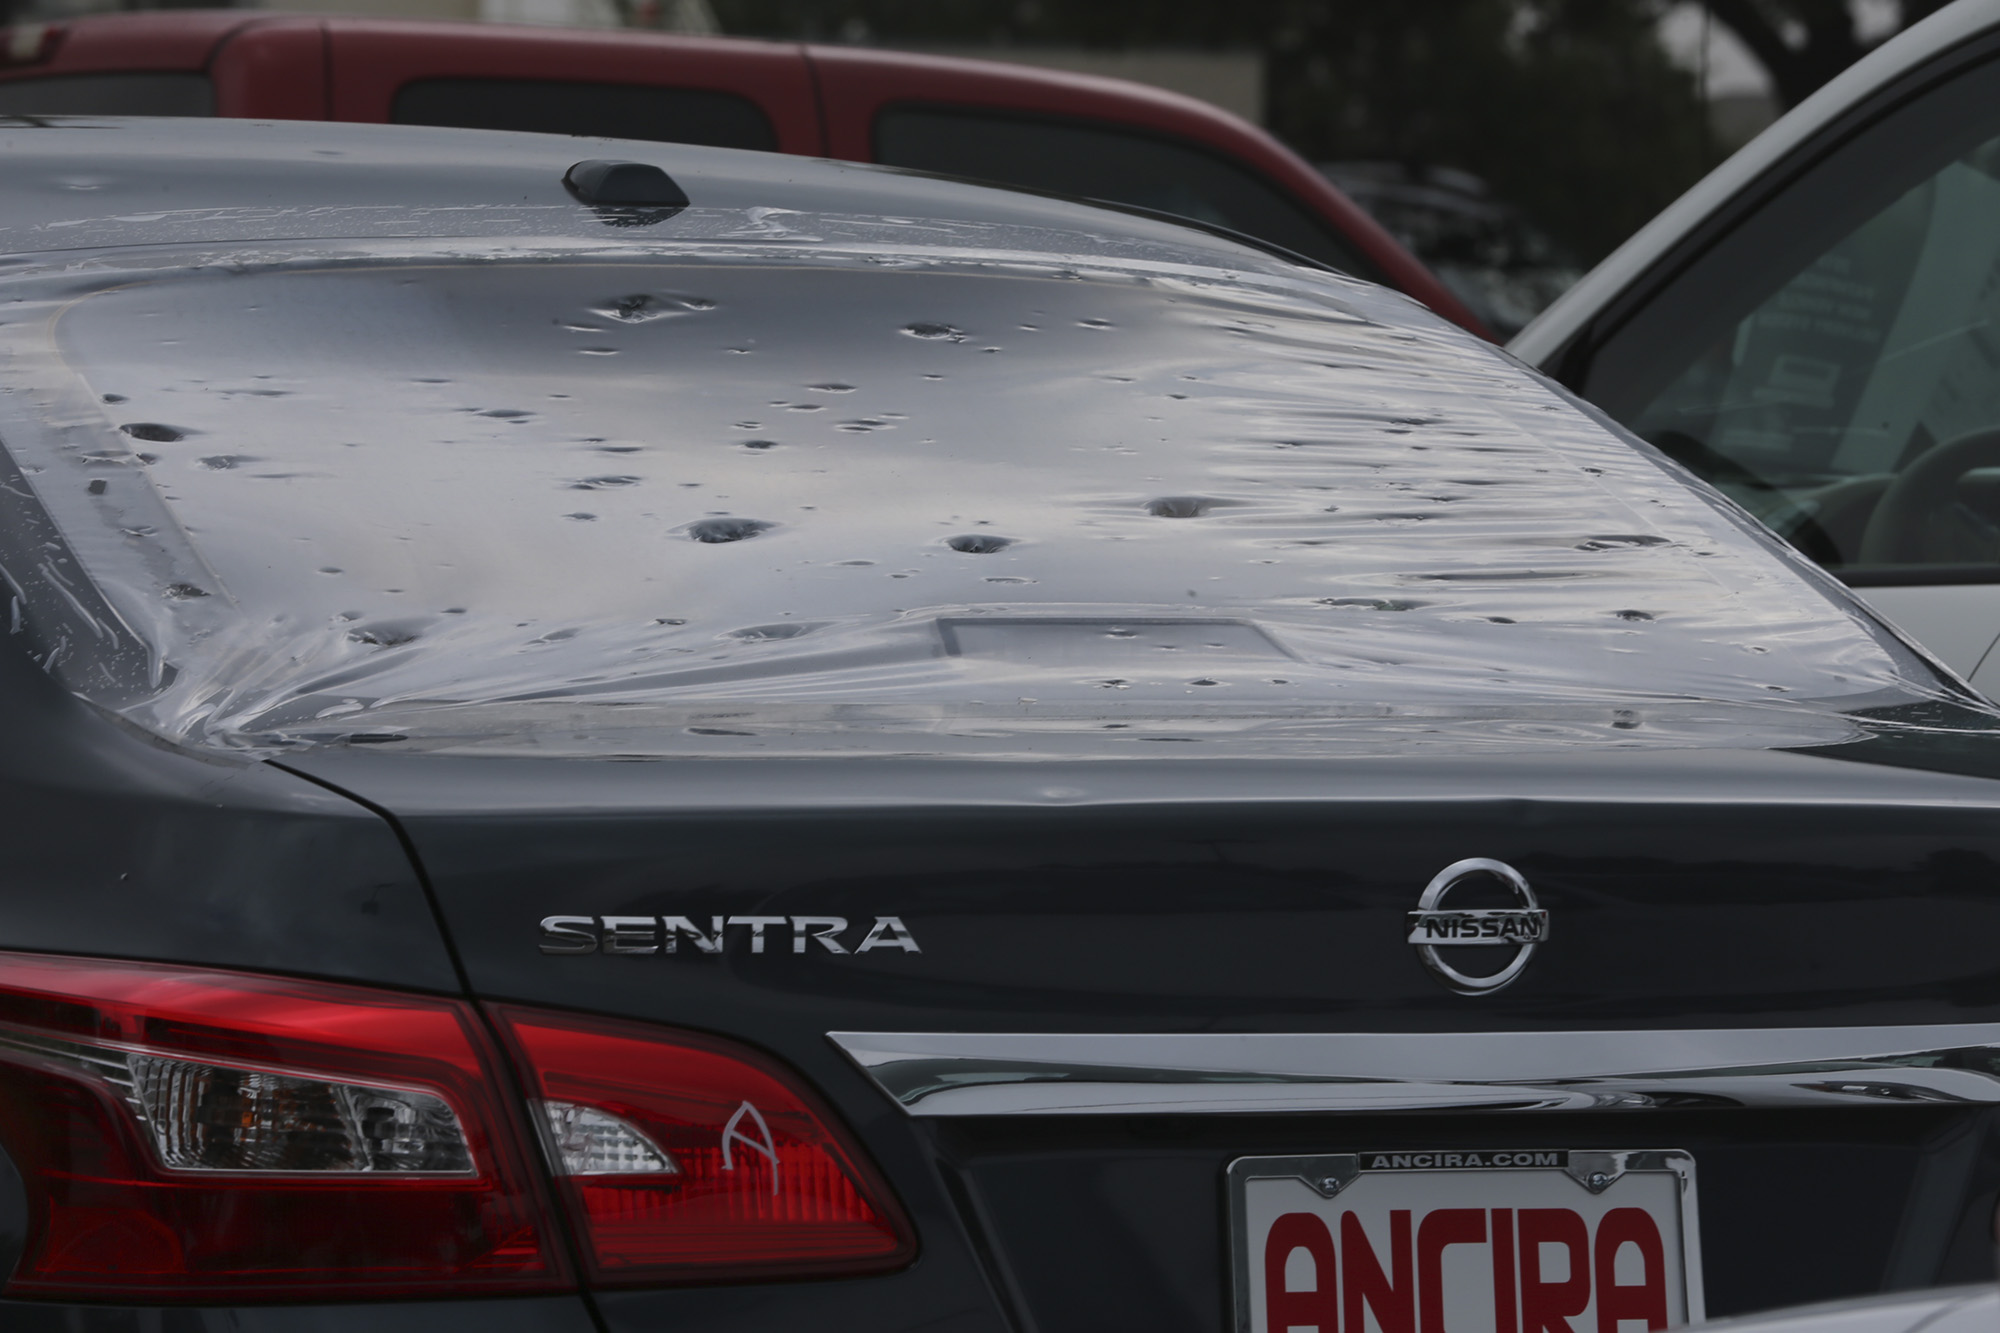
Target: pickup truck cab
[(1103, 139)]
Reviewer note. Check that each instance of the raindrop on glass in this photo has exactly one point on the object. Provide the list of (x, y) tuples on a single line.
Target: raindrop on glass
[(714, 531), (1621, 542), (643, 307), (760, 633), (153, 431), (978, 543), (382, 636), (1371, 603)]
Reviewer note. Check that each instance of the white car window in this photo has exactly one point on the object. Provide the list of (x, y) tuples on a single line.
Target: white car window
[(1832, 359), (1880, 349)]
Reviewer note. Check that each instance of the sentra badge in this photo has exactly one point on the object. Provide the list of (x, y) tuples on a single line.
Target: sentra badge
[(1434, 925), (751, 934)]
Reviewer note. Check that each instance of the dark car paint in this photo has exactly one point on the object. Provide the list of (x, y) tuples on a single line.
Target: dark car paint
[(1264, 899), (119, 845), (1169, 895), (535, 1314), (1795, 1209), (1124, 1239), (1111, 899), (1114, 901)]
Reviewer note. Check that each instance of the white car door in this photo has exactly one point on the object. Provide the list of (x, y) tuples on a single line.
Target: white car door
[(1820, 336)]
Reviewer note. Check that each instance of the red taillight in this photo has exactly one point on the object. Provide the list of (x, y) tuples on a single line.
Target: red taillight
[(690, 1159), (188, 1134)]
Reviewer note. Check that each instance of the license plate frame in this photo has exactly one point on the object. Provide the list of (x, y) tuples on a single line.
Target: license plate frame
[(1596, 1175)]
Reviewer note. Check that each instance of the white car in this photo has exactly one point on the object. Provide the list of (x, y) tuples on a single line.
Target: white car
[(1968, 1309), (1815, 328)]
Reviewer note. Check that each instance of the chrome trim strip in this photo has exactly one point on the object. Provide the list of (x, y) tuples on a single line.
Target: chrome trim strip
[(1019, 1073)]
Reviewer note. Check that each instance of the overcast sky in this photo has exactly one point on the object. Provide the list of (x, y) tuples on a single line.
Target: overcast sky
[(1731, 71)]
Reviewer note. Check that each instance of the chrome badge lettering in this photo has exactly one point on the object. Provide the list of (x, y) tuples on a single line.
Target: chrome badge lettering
[(765, 1145), (719, 934), (1433, 925)]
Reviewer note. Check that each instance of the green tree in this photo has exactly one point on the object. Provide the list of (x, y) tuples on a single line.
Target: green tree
[(1569, 109), (1803, 43)]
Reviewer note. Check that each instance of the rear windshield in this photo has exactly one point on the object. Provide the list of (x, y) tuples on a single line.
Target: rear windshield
[(135, 94), (713, 499), (1090, 160), (599, 110)]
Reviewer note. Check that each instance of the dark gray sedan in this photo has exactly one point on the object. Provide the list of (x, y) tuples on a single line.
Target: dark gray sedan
[(609, 736)]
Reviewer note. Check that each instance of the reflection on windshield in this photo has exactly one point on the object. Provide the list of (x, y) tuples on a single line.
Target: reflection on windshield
[(714, 501)]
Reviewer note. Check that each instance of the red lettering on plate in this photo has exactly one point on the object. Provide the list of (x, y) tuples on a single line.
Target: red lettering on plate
[(1646, 1299), (1546, 1307), (1284, 1308), (1445, 1226), (1506, 1318), (1368, 1287)]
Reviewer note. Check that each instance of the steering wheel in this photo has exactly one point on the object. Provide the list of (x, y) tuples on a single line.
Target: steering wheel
[(1766, 503), (1895, 532)]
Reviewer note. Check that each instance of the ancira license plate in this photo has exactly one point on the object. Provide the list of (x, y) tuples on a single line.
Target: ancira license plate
[(1506, 1241)]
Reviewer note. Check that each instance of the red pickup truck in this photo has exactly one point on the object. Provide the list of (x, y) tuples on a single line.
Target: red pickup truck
[(1072, 134)]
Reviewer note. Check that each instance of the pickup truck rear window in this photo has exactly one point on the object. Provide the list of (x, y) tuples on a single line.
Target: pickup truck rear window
[(604, 110), (147, 94), (1119, 166)]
